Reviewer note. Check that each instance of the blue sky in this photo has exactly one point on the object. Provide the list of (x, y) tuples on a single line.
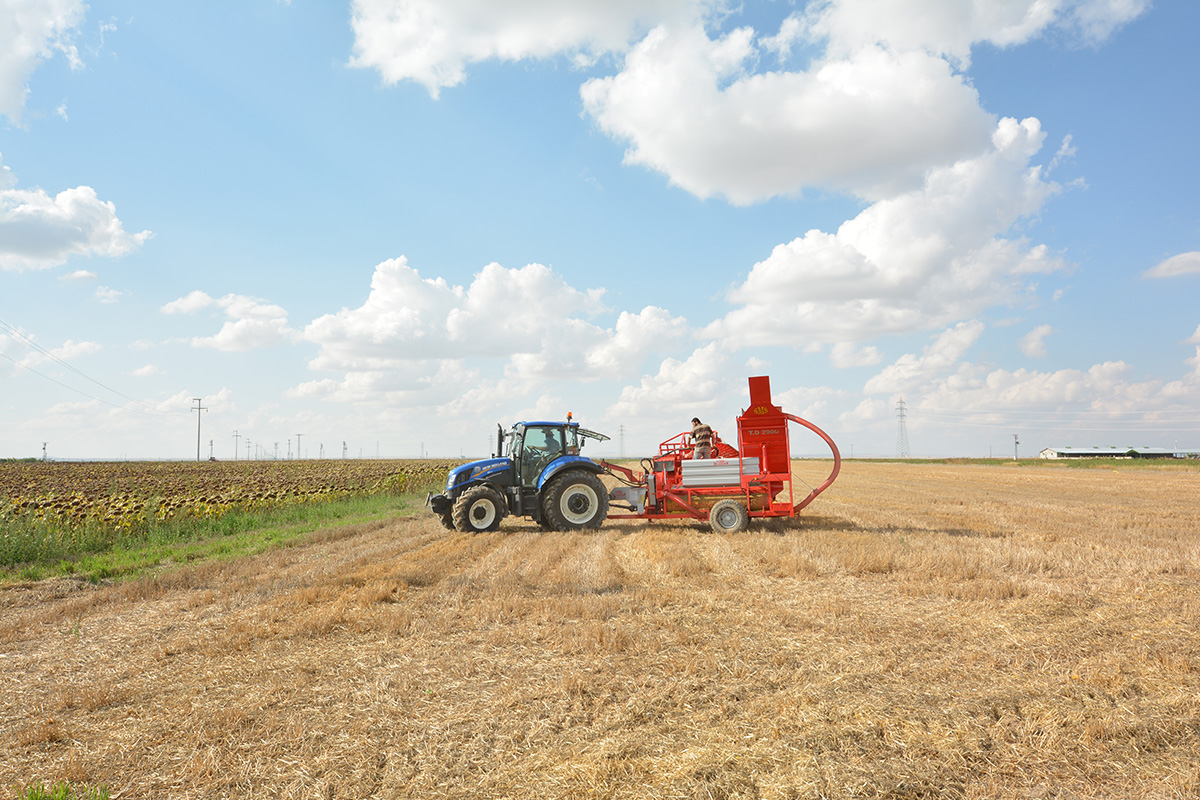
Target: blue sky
[(394, 224)]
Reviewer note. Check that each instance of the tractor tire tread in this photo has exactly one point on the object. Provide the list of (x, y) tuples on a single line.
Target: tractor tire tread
[(552, 500), (461, 514)]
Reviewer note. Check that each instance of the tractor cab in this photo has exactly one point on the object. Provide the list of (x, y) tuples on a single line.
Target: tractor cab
[(538, 450)]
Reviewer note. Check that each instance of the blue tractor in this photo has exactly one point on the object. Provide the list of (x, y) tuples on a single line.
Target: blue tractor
[(537, 473)]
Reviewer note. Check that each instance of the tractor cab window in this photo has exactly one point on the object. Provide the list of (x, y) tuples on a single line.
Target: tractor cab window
[(542, 445), (546, 441)]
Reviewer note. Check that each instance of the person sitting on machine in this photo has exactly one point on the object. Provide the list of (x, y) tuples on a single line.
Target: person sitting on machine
[(701, 439)]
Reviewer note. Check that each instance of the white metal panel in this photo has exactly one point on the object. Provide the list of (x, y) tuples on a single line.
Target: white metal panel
[(716, 471)]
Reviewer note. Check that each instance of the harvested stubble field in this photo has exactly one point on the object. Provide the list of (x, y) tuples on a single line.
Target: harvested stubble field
[(923, 631)]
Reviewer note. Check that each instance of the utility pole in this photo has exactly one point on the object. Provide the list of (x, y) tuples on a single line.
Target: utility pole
[(198, 408), (901, 432), (1016, 442), (236, 436), (247, 448)]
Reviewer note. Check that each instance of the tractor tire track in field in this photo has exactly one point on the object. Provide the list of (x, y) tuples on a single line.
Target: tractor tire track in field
[(923, 630)]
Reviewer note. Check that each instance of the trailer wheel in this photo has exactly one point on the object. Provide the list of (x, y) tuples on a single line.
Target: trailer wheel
[(729, 516), (479, 509), (575, 501)]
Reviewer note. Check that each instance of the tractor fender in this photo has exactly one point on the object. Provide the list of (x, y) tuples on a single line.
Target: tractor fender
[(563, 463)]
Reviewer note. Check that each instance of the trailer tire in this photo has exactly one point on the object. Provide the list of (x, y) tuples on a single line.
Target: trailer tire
[(575, 501), (729, 516), (477, 510)]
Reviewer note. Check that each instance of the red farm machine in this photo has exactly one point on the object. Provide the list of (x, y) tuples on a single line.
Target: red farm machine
[(537, 472), (734, 486)]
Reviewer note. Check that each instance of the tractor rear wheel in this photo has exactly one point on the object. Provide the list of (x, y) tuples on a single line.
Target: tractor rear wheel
[(478, 509), (729, 516), (575, 501)]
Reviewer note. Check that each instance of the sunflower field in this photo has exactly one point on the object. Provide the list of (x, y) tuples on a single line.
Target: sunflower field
[(103, 501)]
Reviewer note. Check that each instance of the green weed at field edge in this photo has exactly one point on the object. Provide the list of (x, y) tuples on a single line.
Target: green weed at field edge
[(63, 791), (231, 536)]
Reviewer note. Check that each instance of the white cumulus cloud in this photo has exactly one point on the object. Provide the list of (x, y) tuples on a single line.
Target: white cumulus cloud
[(1182, 264), (911, 371), (408, 317), (39, 231), (251, 323), (528, 323), (106, 294), (1033, 344), (1099, 404), (431, 42), (193, 301), (884, 99), (692, 108), (32, 31), (922, 259), (680, 389), (950, 28), (844, 355), (634, 336), (70, 349)]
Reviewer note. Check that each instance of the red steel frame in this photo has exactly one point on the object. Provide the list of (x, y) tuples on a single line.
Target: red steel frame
[(762, 434)]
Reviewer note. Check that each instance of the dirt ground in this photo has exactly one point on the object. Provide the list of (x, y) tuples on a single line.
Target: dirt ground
[(921, 631)]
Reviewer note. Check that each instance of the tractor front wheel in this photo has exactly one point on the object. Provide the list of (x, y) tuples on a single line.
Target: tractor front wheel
[(575, 501), (729, 516), (478, 509)]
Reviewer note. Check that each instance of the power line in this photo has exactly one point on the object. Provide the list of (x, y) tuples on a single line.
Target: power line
[(22, 338)]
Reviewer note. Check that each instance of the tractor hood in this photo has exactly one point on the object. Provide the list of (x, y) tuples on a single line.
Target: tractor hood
[(476, 471)]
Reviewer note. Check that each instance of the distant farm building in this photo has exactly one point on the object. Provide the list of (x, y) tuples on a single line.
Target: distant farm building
[(1111, 452)]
